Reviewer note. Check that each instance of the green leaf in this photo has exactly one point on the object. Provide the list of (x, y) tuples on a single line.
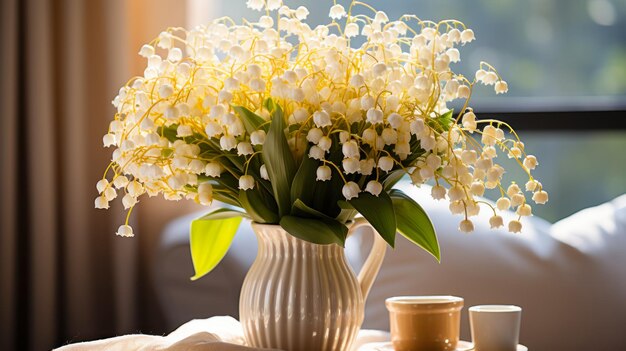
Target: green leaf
[(379, 212), (170, 132), (414, 224), (304, 183), (223, 213), (300, 209), (210, 238), (326, 194), (317, 231), (227, 198), (445, 120), (262, 209), (251, 121), (346, 213), (393, 178), (279, 162), (270, 105)]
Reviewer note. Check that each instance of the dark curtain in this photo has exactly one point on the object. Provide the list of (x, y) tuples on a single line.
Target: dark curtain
[(64, 276)]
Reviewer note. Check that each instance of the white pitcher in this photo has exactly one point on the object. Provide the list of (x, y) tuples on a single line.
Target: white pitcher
[(303, 296)]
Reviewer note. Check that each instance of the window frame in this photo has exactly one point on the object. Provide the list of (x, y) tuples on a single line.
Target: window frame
[(557, 114)]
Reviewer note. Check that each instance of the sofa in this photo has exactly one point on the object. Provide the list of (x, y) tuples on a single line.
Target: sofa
[(569, 277)]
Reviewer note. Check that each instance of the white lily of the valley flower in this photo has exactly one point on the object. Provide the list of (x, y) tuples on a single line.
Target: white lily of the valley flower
[(352, 30), (273, 5), (467, 36), (496, 221), (321, 119), (109, 193), (374, 116), (503, 204), (438, 192), (501, 87), (350, 149), (129, 201), (184, 131), (515, 226), (366, 167), (257, 137), (323, 173), (325, 143), (466, 226), (540, 197), (302, 13), (108, 140), (350, 190), (351, 165), (337, 12), (456, 207), (517, 200), (314, 135), (244, 148), (263, 172), (374, 187), (357, 80), (255, 4), (228, 142), (101, 202), (125, 231), (146, 51), (316, 153), (213, 169), (134, 188), (257, 84), (246, 182), (120, 181), (101, 185), (266, 22), (386, 163), (530, 162), (524, 210)]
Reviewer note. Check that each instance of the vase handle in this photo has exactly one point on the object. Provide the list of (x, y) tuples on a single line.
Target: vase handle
[(374, 260)]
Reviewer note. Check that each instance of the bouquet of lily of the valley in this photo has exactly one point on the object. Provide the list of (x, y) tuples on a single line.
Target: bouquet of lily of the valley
[(297, 126)]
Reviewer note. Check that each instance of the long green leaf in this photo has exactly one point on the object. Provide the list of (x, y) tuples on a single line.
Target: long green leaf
[(210, 238), (414, 224), (328, 193), (270, 105), (378, 210), (347, 212), (393, 178), (304, 183), (262, 209), (444, 121), (279, 162), (223, 213), (317, 231), (300, 209), (251, 121)]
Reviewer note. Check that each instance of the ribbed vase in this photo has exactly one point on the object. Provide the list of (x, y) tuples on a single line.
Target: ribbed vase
[(303, 296)]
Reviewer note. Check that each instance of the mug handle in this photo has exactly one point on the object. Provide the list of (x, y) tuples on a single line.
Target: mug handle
[(374, 260)]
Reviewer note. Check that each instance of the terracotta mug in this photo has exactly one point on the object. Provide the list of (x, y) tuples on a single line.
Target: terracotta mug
[(424, 323)]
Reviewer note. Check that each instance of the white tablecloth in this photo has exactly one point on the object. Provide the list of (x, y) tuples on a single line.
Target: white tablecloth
[(212, 334)]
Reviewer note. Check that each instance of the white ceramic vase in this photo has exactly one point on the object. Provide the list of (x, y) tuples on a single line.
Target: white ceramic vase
[(303, 296)]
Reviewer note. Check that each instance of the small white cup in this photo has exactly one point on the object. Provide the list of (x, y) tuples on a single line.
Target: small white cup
[(495, 327)]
